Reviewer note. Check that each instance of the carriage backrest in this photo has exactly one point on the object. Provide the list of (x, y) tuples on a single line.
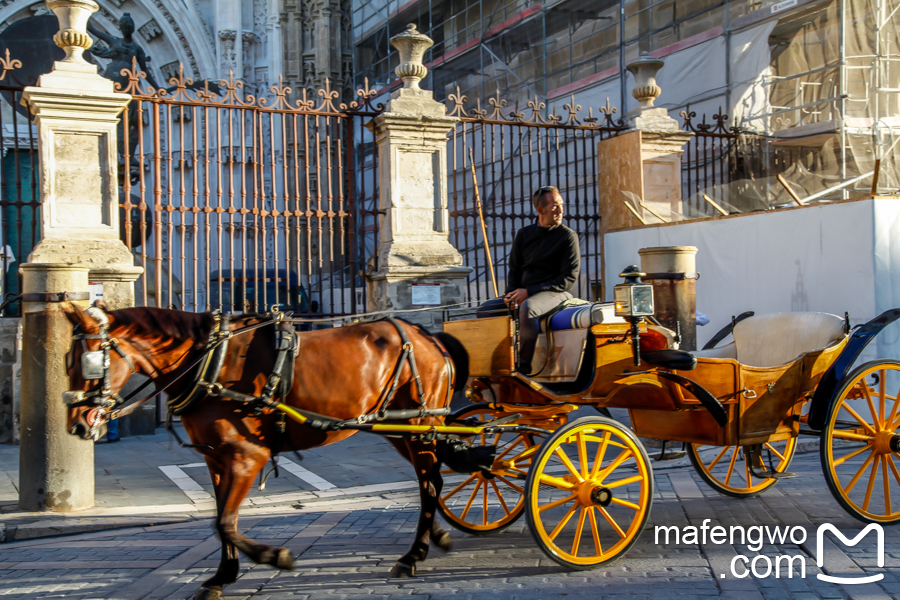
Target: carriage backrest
[(780, 338)]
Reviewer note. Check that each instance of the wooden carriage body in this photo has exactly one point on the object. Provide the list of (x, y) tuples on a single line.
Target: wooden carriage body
[(762, 403)]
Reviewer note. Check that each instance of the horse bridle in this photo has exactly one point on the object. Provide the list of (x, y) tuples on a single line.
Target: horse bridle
[(95, 365)]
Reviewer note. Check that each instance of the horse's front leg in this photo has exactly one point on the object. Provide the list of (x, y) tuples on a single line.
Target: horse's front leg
[(243, 465), (427, 466), (229, 564)]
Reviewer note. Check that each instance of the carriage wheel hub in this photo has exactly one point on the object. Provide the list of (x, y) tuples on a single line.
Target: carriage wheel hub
[(886, 442), (590, 494), (602, 496)]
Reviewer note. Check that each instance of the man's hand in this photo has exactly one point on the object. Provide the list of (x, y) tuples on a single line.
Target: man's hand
[(518, 296)]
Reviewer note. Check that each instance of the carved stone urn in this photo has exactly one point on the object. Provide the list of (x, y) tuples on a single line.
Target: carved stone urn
[(412, 46), (72, 36), (644, 70)]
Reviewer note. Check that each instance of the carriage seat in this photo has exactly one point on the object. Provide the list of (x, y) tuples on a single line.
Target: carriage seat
[(582, 317), (777, 339)]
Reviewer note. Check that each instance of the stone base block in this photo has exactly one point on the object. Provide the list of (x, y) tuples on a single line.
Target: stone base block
[(393, 289)]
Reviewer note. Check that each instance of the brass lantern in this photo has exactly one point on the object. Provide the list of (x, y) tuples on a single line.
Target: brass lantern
[(633, 299)]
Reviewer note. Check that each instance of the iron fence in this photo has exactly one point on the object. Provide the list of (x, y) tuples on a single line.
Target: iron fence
[(240, 202), (709, 163), (515, 154), (20, 201)]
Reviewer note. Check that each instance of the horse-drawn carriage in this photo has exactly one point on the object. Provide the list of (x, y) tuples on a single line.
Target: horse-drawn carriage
[(585, 486)]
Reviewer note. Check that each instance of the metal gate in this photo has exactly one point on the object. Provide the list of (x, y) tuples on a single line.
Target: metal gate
[(517, 152), (241, 202)]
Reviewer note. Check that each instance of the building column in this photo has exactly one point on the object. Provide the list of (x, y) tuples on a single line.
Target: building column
[(416, 264), (56, 469)]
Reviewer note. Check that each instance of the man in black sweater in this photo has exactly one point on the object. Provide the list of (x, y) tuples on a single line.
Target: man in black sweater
[(543, 266)]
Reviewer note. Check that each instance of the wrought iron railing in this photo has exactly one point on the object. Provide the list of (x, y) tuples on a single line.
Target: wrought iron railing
[(20, 200), (517, 152), (709, 163), (242, 202)]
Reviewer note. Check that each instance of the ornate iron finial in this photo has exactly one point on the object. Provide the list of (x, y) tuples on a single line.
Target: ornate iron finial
[(644, 70), (412, 46), (72, 36)]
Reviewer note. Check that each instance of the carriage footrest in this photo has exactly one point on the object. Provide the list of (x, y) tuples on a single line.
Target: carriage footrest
[(765, 473), (670, 455)]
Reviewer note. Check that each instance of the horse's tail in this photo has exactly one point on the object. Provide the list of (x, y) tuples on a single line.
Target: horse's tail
[(458, 355)]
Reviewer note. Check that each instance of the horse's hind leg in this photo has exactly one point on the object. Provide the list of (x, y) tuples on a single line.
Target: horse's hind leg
[(229, 564), (427, 468)]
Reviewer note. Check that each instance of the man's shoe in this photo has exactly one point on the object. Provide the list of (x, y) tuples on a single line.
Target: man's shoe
[(110, 440)]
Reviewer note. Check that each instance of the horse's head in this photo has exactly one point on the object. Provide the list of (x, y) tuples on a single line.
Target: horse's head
[(98, 365)]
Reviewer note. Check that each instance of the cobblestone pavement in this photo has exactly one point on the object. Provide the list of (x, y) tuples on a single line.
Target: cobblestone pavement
[(345, 548)]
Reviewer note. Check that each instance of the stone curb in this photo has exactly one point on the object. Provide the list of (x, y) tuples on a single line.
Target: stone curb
[(63, 527)]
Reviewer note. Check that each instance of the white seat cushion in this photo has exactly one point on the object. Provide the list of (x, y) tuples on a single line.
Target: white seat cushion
[(773, 340)]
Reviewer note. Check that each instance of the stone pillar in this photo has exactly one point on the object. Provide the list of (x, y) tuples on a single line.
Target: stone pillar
[(414, 247), (639, 170), (76, 113), (662, 140), (56, 469), (673, 272)]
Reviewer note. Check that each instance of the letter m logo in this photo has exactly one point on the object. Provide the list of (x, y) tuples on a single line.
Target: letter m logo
[(820, 555)]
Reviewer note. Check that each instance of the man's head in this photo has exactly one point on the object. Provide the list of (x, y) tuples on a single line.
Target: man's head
[(549, 205)]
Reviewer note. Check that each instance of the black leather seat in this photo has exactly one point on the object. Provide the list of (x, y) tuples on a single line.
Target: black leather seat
[(670, 359)]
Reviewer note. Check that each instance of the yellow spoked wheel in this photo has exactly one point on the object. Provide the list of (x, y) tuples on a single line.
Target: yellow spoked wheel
[(727, 469), (859, 443), (483, 503), (589, 493)]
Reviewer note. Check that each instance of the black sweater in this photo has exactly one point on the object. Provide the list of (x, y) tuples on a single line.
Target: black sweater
[(544, 259)]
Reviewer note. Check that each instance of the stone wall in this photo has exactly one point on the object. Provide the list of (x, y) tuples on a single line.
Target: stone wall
[(10, 377)]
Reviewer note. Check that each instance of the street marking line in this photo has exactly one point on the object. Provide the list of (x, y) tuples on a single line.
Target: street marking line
[(191, 488), (304, 474)]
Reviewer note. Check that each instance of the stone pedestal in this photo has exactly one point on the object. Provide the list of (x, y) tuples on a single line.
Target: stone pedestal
[(673, 272), (76, 113), (414, 246), (56, 469), (661, 152)]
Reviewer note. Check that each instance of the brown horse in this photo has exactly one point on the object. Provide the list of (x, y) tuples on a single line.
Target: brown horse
[(341, 372)]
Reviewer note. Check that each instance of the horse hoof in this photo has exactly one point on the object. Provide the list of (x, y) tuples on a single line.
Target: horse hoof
[(443, 541), (401, 570), (283, 559), (208, 594)]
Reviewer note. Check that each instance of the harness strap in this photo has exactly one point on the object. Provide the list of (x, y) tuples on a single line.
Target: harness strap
[(211, 364), (285, 343), (406, 355)]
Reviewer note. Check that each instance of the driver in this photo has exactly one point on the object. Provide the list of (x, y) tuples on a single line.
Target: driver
[(543, 266)]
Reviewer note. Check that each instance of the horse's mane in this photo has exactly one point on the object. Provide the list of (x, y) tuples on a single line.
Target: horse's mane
[(162, 323)]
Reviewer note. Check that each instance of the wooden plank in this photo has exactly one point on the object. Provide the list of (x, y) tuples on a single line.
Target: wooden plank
[(489, 343)]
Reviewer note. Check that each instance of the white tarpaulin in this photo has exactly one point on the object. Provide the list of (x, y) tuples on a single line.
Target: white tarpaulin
[(750, 65), (886, 220), (680, 79), (817, 258)]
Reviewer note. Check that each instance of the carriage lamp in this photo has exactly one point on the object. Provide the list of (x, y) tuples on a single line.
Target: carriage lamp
[(634, 301)]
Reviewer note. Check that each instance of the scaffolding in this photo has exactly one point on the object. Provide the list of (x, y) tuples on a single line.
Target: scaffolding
[(813, 84)]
